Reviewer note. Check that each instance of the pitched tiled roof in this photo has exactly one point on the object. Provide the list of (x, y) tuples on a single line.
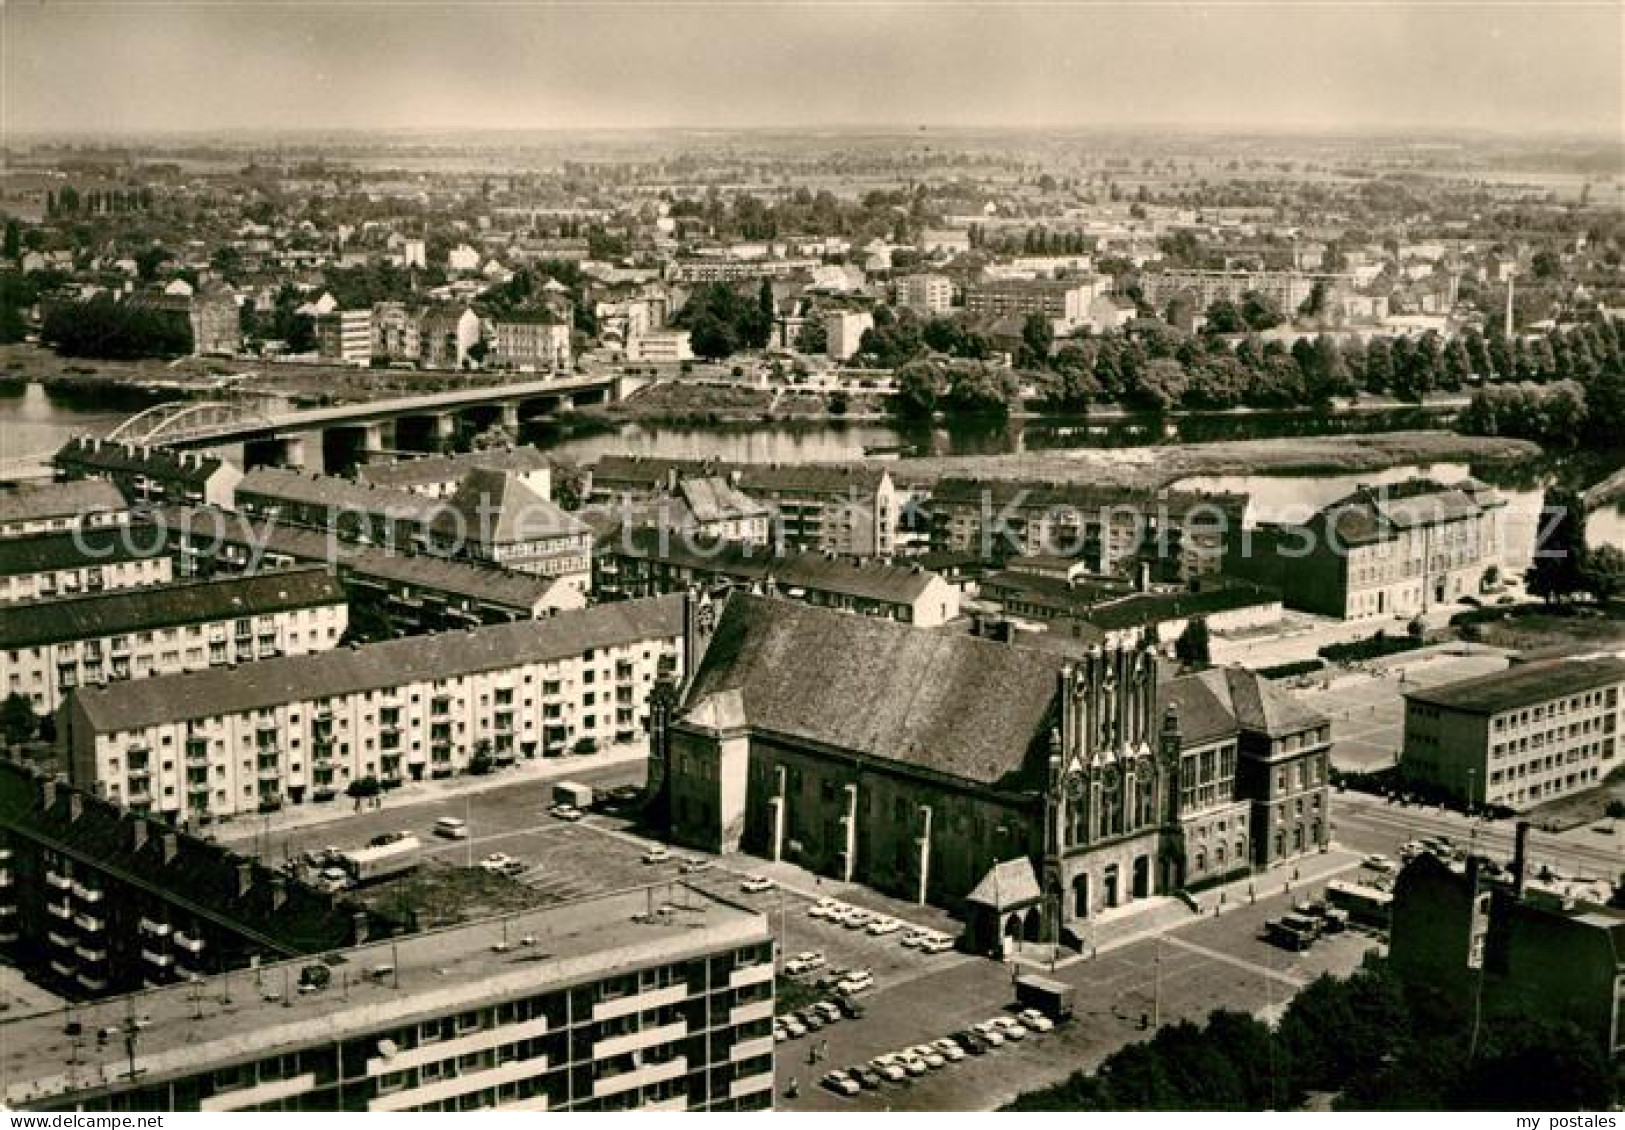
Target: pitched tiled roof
[(497, 508), (94, 455), (150, 607), (1007, 885), (407, 473), (1370, 513), (951, 703), (337, 493), (713, 499), (59, 500), (70, 549), (1255, 703), (271, 682)]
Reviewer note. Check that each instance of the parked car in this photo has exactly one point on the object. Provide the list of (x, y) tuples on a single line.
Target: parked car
[(1036, 1020), (857, 919), (496, 861), (825, 908), (451, 827), (657, 854), (937, 943), (882, 926), (1010, 1026), (794, 1027), (1380, 864), (856, 984), (867, 1077), (948, 1049), (695, 866), (810, 1018), (568, 812), (929, 1053), (916, 938), (854, 1009), (756, 884), (830, 1011), (804, 962), (841, 1083), (990, 1033), (972, 1042), (888, 1068)]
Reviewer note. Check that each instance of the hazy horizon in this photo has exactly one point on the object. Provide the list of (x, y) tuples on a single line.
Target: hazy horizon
[(103, 70)]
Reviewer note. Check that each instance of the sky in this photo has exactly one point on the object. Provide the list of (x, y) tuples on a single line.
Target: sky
[(133, 66)]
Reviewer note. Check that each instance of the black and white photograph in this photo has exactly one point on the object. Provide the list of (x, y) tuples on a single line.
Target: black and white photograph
[(813, 556)]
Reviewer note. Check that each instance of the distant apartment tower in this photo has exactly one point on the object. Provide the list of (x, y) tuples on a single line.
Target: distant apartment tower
[(529, 342), (646, 999), (658, 347), (843, 332), (927, 295), (228, 742), (1520, 737), (1288, 290), (345, 336), (1060, 300), (395, 333)]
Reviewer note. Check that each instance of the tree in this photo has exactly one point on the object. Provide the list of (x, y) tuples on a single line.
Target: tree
[(1037, 336), (1193, 648), (13, 247), (17, 720), (1605, 572), (1259, 312), (920, 384), (1558, 571), (712, 338), (1223, 317)]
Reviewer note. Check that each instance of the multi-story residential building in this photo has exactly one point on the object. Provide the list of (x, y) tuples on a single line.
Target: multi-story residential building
[(529, 341), (146, 475), (215, 320), (345, 336), (843, 332), (659, 347), (98, 901), (220, 742), (1509, 948), (926, 295), (447, 334), (1110, 529), (1520, 737), (1060, 300), (1382, 551), (649, 562), (438, 476), (139, 633), (354, 511), (409, 592), (706, 508), (849, 510), (395, 334), (726, 270), (48, 566), (652, 999), (48, 507), (1026, 790), (1288, 290)]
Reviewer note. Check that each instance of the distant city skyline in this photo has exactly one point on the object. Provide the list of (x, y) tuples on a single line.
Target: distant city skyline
[(104, 68)]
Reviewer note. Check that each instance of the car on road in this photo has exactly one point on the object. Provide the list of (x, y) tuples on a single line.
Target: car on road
[(1380, 864), (565, 812), (854, 1009), (888, 1068), (657, 854), (695, 866), (451, 827), (948, 1049), (384, 839), (856, 919), (1035, 1020), (496, 861), (884, 926), (826, 908), (841, 1083), (756, 884), (929, 1053), (804, 962)]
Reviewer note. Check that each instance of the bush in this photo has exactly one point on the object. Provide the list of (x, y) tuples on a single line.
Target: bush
[(587, 745), (1289, 670), (1372, 647)]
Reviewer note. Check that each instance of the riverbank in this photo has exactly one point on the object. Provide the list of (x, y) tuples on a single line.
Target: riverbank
[(1157, 467)]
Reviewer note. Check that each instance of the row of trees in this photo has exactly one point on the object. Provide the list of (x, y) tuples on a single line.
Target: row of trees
[(721, 320), (1571, 390), (119, 331), (1369, 1040)]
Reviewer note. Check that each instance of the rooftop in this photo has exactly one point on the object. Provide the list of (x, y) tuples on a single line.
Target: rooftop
[(1524, 684), (371, 988), (72, 499), (69, 549), (149, 607), (107, 456), (405, 474), (272, 682)]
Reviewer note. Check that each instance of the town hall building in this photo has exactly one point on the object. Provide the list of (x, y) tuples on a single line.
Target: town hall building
[(1028, 792)]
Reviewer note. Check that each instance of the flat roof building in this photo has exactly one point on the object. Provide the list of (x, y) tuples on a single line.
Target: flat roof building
[(1519, 737), (658, 998)]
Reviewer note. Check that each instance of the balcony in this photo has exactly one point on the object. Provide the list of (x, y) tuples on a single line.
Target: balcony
[(58, 880), (751, 975), (91, 953), (641, 1077), (750, 1049), (156, 929), (639, 1002), (634, 1041), (62, 910), (755, 1010), (187, 942), (59, 941), (89, 923), (91, 895), (160, 960)]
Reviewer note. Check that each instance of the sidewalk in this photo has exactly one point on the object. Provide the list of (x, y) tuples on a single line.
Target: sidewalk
[(421, 792)]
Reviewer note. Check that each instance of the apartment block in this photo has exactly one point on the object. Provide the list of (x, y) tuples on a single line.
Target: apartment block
[(927, 295), (1060, 300), (437, 476), (1517, 738), (140, 633), (285, 731), (48, 566), (150, 474), (53, 507), (656, 999), (345, 336)]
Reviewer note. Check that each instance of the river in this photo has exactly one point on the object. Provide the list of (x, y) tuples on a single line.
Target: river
[(33, 424)]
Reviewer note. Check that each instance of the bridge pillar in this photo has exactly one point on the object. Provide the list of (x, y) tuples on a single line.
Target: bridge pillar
[(276, 451), (445, 427), (510, 416)]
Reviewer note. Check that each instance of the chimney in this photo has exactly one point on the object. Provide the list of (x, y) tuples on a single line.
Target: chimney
[(279, 892), (138, 833), (47, 794), (1520, 859), (1143, 579), (245, 878), (76, 806), (170, 845), (359, 927)]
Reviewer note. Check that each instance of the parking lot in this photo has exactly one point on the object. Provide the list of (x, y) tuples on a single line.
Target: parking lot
[(1365, 703)]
